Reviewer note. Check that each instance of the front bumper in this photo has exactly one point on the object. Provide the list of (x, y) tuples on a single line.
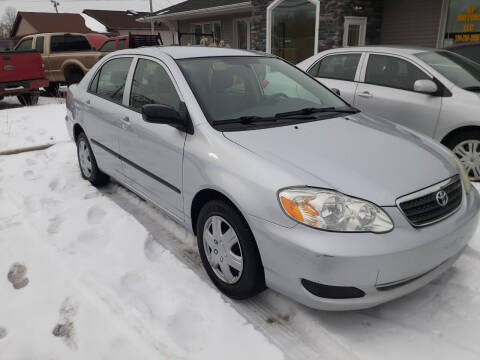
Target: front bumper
[(383, 266)]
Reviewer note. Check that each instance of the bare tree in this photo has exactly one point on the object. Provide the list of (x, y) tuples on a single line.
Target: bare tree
[(6, 21)]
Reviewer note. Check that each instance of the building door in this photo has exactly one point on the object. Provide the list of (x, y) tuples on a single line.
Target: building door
[(292, 28), (242, 34), (354, 31)]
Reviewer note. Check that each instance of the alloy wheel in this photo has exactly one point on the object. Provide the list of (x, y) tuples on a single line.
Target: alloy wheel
[(223, 250), (468, 152), (85, 158)]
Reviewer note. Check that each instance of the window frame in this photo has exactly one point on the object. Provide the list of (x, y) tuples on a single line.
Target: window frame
[(413, 63), (99, 73), (362, 21), (212, 22), (360, 65), (128, 87)]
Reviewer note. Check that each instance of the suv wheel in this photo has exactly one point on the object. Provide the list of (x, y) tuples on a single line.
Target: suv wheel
[(228, 251), (466, 146), (88, 164)]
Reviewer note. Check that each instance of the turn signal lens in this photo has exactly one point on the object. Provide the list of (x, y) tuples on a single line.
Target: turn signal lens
[(333, 211)]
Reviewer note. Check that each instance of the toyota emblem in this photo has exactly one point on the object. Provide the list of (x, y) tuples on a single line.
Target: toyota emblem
[(442, 198)]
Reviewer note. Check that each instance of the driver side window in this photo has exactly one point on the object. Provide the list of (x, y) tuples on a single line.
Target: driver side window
[(152, 85)]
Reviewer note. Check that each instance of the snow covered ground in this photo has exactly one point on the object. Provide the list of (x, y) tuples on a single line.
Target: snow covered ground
[(103, 274)]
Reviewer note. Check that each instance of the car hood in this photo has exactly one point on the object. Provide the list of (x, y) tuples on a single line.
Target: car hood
[(357, 155)]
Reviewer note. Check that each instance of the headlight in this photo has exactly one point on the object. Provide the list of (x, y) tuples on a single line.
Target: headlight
[(333, 211), (463, 175)]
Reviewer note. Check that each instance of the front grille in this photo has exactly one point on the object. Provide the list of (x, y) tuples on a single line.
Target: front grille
[(425, 209)]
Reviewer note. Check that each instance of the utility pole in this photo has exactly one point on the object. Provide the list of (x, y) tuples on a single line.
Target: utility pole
[(152, 22), (56, 4)]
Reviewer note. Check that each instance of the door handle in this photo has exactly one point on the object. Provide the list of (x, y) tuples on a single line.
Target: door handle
[(365, 94), (125, 122)]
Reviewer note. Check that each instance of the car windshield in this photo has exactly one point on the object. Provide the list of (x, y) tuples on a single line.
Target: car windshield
[(456, 68), (254, 89)]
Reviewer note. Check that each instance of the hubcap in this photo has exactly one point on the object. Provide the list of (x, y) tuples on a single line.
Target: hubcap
[(85, 158), (222, 249), (468, 152)]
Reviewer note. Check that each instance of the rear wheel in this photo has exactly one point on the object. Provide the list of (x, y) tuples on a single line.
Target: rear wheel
[(88, 164), (466, 146), (73, 75), (52, 89), (28, 99), (228, 251)]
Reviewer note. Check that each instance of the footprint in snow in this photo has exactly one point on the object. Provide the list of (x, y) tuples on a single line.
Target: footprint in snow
[(30, 162), (65, 327), (54, 224), (3, 332), (17, 276), (95, 215), (29, 174)]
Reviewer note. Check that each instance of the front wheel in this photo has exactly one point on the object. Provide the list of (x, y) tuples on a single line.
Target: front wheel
[(228, 251), (88, 164), (466, 146)]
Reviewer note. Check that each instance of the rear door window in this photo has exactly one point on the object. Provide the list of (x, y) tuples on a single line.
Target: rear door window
[(392, 72), (108, 46), (67, 43), (339, 67), (110, 83), (25, 45)]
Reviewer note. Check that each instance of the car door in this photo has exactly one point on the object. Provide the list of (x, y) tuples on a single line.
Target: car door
[(152, 154), (387, 91), (102, 112), (339, 71)]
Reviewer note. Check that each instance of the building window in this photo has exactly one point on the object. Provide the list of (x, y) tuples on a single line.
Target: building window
[(241, 31), (209, 30), (292, 28), (463, 22), (354, 31)]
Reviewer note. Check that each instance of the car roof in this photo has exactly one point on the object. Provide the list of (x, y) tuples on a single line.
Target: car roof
[(394, 49), (185, 52)]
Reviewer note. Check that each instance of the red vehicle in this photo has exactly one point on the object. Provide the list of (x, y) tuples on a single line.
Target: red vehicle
[(22, 74), (130, 41), (96, 40)]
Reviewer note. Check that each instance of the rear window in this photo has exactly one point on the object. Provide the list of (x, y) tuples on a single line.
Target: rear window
[(65, 43), (25, 45), (108, 46)]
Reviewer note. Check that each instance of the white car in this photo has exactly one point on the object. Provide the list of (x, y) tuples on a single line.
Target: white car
[(432, 91)]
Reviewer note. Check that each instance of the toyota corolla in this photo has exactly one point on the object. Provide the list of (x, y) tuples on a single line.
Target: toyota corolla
[(285, 185)]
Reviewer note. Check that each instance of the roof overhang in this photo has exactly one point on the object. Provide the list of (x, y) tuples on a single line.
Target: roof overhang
[(216, 10)]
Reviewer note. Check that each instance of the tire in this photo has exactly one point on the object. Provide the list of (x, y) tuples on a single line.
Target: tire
[(28, 99), (52, 90), (233, 282), (88, 164), (466, 146), (73, 75)]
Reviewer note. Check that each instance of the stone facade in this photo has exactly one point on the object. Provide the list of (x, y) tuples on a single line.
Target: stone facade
[(332, 13)]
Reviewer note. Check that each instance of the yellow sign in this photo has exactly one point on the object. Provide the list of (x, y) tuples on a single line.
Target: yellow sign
[(470, 15)]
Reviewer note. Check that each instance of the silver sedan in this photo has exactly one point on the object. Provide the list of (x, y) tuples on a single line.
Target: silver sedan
[(284, 184), (432, 91)]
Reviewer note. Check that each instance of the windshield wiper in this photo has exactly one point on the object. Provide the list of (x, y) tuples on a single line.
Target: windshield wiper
[(472, 88), (244, 120), (309, 111)]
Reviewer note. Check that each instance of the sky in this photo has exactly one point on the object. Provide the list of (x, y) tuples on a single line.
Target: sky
[(77, 6)]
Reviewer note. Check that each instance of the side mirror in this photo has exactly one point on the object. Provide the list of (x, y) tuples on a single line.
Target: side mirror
[(162, 114), (425, 86), (336, 91)]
